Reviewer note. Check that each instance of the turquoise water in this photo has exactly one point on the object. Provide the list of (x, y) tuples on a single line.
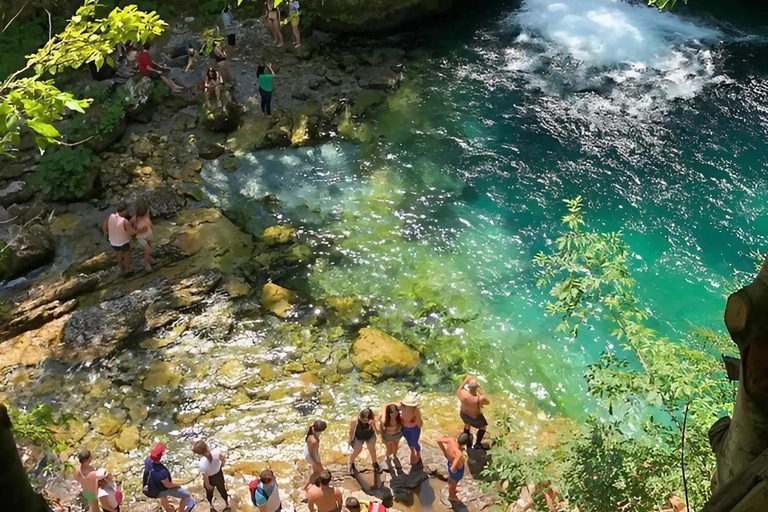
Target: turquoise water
[(658, 121)]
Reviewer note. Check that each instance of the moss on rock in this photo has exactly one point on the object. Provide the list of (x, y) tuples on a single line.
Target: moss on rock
[(381, 356)]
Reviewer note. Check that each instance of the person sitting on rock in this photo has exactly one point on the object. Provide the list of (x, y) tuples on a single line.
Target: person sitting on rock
[(118, 229), (362, 431), (147, 67), (213, 84), (89, 478), (211, 464), (219, 61), (472, 400), (158, 478), (453, 449), (412, 423), (325, 498), (312, 452)]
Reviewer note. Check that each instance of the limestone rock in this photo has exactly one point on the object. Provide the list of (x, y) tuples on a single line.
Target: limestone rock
[(24, 248), (381, 78), (128, 439), (277, 299), (164, 200), (143, 148), (367, 101), (224, 120), (15, 192), (139, 106), (161, 374), (381, 356), (108, 422), (280, 234)]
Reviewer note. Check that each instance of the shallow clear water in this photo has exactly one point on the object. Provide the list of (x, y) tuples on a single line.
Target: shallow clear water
[(659, 121)]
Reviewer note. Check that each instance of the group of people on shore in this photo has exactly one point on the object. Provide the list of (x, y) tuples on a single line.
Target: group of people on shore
[(398, 420), (217, 74)]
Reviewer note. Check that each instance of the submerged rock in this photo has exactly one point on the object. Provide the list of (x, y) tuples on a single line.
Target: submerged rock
[(277, 299), (381, 356), (280, 234)]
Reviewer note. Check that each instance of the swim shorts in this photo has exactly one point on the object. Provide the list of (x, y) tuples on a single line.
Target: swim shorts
[(479, 422), (457, 476), (412, 435)]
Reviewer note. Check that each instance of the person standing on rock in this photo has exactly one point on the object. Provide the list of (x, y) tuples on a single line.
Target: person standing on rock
[(362, 431), (273, 20), (412, 423), (472, 400), (211, 464), (391, 432), (158, 483), (142, 224), (88, 478), (325, 498), (312, 452), (265, 87), (265, 493), (453, 449), (293, 15), (110, 495), (229, 26), (118, 229)]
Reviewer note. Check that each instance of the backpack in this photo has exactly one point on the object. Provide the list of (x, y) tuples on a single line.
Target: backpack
[(253, 488), (150, 488)]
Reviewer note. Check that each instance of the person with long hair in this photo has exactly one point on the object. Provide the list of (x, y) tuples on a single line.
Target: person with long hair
[(273, 20), (362, 431), (142, 225), (391, 422), (312, 452), (212, 84), (265, 87)]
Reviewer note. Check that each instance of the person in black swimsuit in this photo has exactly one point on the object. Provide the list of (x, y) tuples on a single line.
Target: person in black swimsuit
[(362, 431), (219, 56)]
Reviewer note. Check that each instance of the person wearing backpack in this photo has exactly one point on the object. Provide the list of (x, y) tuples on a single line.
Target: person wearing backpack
[(264, 492), (158, 483)]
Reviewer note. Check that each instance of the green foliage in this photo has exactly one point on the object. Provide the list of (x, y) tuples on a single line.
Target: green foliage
[(211, 8), (630, 460), (87, 38), (35, 426), (63, 172), (211, 39), (665, 4), (160, 93), (99, 123)]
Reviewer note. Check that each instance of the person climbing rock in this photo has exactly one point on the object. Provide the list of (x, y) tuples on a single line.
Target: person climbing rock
[(391, 426), (312, 452), (265, 493), (265, 87), (158, 483), (453, 449), (88, 478), (118, 229), (412, 423), (362, 431), (211, 467), (324, 498), (147, 67), (472, 400)]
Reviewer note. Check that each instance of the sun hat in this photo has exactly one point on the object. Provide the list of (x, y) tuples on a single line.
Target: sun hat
[(157, 452), (411, 400)]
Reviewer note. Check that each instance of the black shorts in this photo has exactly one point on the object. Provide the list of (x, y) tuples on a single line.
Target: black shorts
[(122, 248), (231, 39), (480, 422)]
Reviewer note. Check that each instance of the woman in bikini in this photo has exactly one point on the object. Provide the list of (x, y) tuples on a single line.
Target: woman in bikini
[(312, 452), (391, 430), (412, 423), (362, 431), (273, 19)]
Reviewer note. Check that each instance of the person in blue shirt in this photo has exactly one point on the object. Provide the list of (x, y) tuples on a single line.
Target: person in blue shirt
[(158, 482), (266, 495)]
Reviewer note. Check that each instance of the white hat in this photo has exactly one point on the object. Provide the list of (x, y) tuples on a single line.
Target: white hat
[(411, 400)]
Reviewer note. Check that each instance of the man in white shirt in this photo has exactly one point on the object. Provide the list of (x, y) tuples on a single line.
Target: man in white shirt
[(211, 463)]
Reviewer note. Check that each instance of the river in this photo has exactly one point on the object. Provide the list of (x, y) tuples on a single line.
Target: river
[(658, 120)]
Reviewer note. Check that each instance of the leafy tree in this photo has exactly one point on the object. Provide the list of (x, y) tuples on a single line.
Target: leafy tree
[(27, 98), (657, 392)]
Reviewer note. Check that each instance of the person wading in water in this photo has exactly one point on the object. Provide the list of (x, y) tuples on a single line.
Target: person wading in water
[(472, 401)]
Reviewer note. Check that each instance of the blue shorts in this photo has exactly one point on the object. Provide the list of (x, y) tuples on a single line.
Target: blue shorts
[(412, 435), (175, 492), (457, 476)]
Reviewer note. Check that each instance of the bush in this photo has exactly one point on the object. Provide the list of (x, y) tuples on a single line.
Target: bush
[(98, 121), (63, 172), (160, 93), (35, 426)]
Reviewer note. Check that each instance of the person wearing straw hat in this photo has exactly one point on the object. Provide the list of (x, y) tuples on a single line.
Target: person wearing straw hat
[(412, 423)]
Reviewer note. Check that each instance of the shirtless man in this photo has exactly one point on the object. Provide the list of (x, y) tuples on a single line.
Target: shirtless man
[(412, 423), (453, 449), (472, 401), (88, 478), (325, 498)]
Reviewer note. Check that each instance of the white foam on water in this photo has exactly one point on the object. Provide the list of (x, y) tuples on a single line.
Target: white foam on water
[(634, 57)]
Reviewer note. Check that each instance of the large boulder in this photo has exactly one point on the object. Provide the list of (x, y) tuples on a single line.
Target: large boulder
[(277, 299), (139, 106), (15, 192), (372, 15), (222, 120), (24, 248), (378, 355)]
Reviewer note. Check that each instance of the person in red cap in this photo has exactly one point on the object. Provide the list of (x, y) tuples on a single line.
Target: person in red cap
[(158, 483)]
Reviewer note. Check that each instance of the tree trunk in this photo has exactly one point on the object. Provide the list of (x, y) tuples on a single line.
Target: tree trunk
[(740, 440), (15, 490)]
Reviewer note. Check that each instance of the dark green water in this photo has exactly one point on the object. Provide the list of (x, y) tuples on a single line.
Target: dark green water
[(658, 121)]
